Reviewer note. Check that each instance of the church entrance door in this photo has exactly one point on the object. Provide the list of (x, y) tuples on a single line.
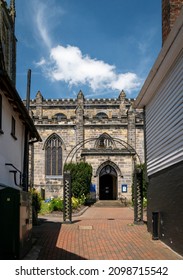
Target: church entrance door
[(108, 183)]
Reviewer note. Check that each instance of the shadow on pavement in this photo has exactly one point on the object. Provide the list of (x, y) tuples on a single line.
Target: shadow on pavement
[(45, 236)]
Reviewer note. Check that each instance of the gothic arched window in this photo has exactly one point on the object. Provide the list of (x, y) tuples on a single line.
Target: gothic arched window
[(53, 156)]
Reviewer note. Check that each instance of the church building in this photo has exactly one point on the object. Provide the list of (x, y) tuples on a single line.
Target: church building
[(106, 133)]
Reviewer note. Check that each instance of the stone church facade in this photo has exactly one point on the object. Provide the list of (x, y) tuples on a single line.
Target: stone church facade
[(106, 133)]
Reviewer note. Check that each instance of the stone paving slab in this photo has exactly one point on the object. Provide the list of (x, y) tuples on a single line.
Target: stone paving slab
[(98, 234)]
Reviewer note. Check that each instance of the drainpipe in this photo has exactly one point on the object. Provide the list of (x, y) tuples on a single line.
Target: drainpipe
[(26, 139)]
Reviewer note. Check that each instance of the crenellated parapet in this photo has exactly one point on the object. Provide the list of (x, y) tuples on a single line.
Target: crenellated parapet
[(84, 112)]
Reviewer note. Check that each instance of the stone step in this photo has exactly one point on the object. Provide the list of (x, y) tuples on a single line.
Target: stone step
[(109, 203)]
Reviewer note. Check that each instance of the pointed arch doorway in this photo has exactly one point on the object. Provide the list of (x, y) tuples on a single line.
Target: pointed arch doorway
[(108, 183)]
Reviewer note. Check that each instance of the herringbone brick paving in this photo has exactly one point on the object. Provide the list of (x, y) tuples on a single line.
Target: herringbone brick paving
[(99, 234)]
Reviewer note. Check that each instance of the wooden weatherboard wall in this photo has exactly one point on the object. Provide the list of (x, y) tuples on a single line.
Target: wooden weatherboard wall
[(164, 118)]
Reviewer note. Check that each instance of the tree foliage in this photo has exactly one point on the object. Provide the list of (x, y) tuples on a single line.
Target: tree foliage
[(81, 174)]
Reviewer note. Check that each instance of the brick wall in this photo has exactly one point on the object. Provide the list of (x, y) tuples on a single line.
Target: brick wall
[(170, 11)]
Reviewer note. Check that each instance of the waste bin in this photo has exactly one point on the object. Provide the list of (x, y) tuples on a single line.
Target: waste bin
[(15, 222), (155, 225)]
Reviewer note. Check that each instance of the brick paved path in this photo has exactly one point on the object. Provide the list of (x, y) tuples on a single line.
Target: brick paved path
[(99, 234)]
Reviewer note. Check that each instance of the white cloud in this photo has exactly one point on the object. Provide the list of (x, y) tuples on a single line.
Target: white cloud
[(41, 62), (69, 65), (41, 24), (128, 81), (45, 20), (72, 67)]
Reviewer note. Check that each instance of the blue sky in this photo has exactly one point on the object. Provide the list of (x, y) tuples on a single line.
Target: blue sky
[(97, 46)]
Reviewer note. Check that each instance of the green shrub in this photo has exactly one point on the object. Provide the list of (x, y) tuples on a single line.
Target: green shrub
[(144, 202), (82, 199), (75, 203), (36, 206), (81, 174), (142, 167), (36, 201), (45, 207), (56, 204)]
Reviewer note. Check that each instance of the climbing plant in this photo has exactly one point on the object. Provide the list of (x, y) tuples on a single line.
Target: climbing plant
[(142, 167)]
